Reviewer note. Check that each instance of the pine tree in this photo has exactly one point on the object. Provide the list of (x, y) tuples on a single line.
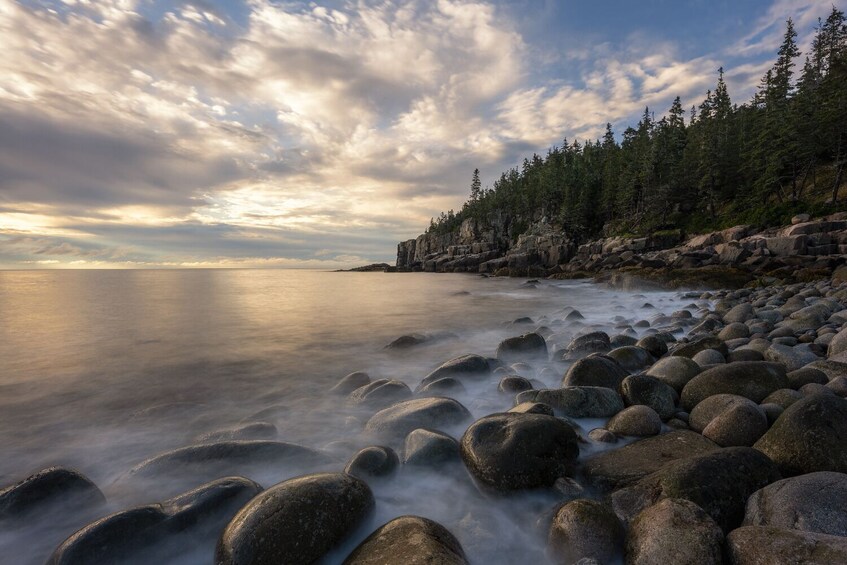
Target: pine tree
[(476, 187)]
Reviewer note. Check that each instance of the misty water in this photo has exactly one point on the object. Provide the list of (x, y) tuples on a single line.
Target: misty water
[(100, 370)]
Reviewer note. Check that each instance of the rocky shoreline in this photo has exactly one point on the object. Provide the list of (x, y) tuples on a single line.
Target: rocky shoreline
[(807, 250), (716, 433)]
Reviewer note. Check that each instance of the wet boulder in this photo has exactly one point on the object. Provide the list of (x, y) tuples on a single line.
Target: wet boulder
[(577, 401), (205, 462), (47, 488), (585, 530), (245, 431), (719, 482), (793, 357), (813, 503), (597, 370), (636, 420), (410, 540), (426, 448), (509, 451), (296, 521), (751, 379), (527, 346), (632, 358), (649, 391), (699, 344), (709, 357), (729, 420), (442, 387), (764, 545), (513, 384), (533, 408), (809, 436), (674, 371), (137, 534), (464, 367), (674, 531), (806, 375), (586, 344), (373, 461), (350, 383), (400, 419), (611, 470), (380, 393), (655, 346)]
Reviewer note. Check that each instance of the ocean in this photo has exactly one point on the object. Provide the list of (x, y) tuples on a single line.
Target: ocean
[(100, 370)]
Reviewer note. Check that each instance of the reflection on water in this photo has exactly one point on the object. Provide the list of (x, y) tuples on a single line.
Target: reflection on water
[(103, 369)]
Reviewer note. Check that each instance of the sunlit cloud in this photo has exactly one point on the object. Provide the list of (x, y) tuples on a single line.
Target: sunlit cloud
[(310, 134)]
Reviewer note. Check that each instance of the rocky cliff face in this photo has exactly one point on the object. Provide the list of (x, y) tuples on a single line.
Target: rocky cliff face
[(802, 249)]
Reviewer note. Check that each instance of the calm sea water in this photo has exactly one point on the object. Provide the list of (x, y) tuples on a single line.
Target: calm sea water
[(100, 370)]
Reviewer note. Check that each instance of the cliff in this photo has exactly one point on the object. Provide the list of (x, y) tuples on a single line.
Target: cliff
[(805, 249)]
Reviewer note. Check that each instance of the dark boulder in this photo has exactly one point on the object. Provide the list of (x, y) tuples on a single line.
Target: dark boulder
[(527, 346), (519, 451), (809, 436), (585, 529), (350, 383), (466, 366), (400, 419), (137, 534), (52, 486), (426, 448), (597, 370), (296, 521), (674, 531), (719, 482), (577, 401), (751, 379), (611, 470), (410, 540), (649, 391), (675, 371), (766, 545), (380, 393), (373, 461)]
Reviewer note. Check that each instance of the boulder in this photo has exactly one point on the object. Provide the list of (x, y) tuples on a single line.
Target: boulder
[(636, 420), (577, 401), (766, 545), (513, 384), (806, 375), (296, 521), (597, 370), (709, 357), (751, 379), (527, 346), (719, 482), (410, 540), (594, 342), (699, 344), (532, 408), (729, 420), (374, 461), (245, 431), (838, 344), (47, 488), (675, 371), (380, 393), (783, 397), (464, 367), (649, 391), (739, 313), (809, 436), (350, 383), (509, 451), (136, 535), (426, 448), (631, 357), (585, 530), (675, 531), (793, 358), (813, 503), (400, 419), (735, 330), (653, 345), (611, 470)]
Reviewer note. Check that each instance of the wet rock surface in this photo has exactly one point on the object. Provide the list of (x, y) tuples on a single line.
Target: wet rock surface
[(410, 540)]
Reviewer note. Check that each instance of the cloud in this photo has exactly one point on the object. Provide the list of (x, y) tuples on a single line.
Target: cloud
[(276, 131)]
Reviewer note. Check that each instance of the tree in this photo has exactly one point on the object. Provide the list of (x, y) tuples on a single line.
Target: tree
[(476, 187)]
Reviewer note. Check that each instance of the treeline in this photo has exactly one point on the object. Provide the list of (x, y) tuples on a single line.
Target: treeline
[(718, 163)]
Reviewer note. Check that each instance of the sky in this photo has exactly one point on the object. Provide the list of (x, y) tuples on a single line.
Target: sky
[(257, 133)]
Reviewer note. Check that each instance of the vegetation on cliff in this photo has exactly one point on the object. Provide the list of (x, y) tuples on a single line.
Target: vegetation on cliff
[(781, 153)]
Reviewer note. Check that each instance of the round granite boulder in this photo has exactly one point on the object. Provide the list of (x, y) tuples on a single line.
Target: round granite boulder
[(809, 436), (296, 521), (400, 419), (632, 358), (527, 346), (597, 370), (585, 529), (380, 393), (374, 461), (511, 451), (649, 391), (655, 346), (410, 540), (675, 531), (49, 487), (813, 503), (350, 383), (729, 420), (751, 379), (426, 448), (638, 420), (674, 371)]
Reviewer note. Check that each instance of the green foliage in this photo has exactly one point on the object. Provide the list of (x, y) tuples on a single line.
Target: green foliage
[(757, 163)]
